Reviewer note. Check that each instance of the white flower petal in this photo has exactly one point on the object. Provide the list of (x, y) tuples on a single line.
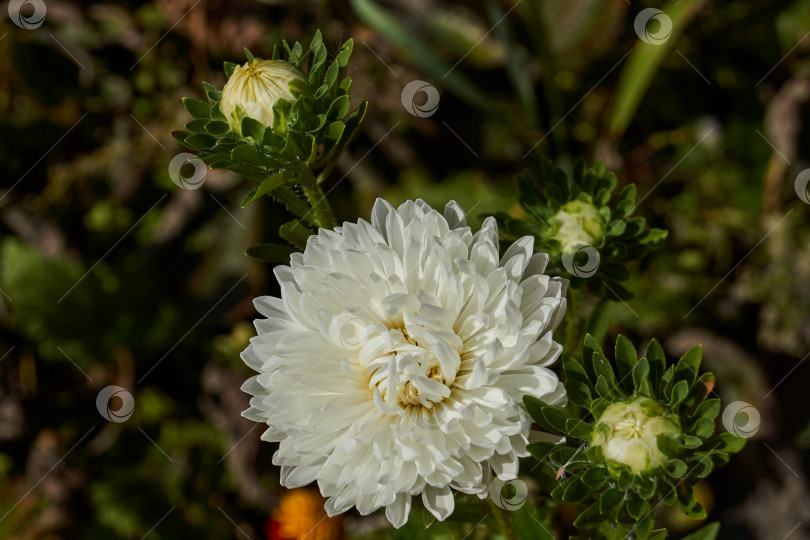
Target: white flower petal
[(438, 501)]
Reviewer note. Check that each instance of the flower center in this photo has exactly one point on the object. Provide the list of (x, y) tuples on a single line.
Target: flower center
[(252, 69), (412, 360), (631, 426)]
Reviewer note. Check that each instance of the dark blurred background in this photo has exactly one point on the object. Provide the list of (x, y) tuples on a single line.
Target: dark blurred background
[(111, 275)]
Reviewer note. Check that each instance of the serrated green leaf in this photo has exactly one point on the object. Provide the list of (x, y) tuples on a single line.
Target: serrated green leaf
[(197, 126), (330, 77), (654, 236), (687, 367), (690, 441), (578, 429), (589, 518), (575, 371), (644, 526), (216, 112), (271, 253), (572, 490), (352, 126), (197, 108), (626, 360), (657, 359), (702, 467), (731, 443), (598, 406), (637, 508), (212, 93), (541, 450), (710, 409), (295, 233), (640, 374), (667, 445), (200, 141), (604, 389), (556, 418), (180, 136), (247, 153), (625, 479), (676, 468), (210, 159), (703, 428), (709, 532), (338, 109), (679, 392), (535, 408), (563, 455), (578, 393), (602, 368), (610, 501), (647, 487), (595, 477), (266, 187), (686, 500), (252, 128), (217, 128)]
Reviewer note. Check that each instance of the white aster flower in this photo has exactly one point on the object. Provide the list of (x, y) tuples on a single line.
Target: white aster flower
[(255, 87), (395, 362), (626, 433)]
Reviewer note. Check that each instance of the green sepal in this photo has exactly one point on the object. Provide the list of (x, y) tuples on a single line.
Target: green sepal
[(590, 518), (611, 501), (197, 108), (626, 360)]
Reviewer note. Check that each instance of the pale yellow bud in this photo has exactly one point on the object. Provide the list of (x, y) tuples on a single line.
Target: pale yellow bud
[(255, 87), (626, 433), (578, 222)]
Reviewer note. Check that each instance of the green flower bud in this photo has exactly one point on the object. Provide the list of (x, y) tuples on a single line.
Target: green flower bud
[(626, 434), (578, 222), (254, 88)]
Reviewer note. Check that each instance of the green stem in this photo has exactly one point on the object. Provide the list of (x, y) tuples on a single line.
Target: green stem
[(571, 318), (322, 213), (599, 320)]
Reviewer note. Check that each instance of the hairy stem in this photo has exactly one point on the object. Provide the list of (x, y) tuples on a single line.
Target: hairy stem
[(322, 214)]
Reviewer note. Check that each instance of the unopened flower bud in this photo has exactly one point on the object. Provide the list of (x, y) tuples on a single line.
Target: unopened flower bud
[(578, 222), (626, 434), (255, 87)]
